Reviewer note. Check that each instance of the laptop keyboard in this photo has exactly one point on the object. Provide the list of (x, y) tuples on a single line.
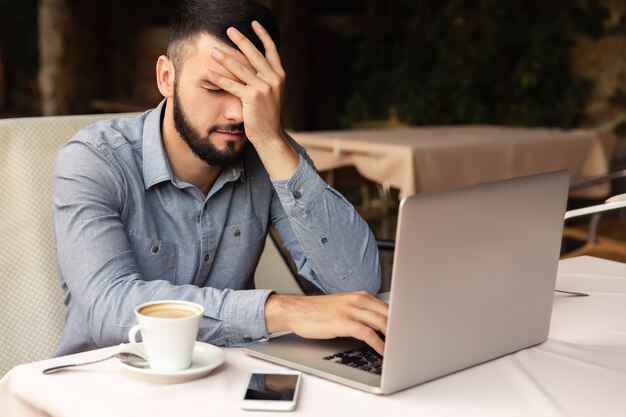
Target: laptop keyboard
[(364, 358)]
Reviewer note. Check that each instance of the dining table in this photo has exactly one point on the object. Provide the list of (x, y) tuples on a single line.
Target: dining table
[(433, 158), (579, 371)]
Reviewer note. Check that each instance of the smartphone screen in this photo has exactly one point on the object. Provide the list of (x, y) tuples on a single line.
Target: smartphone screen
[(272, 387)]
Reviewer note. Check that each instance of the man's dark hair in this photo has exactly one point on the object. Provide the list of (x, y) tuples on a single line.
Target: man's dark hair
[(197, 17)]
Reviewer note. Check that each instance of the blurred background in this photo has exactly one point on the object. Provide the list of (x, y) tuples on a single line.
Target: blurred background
[(516, 62), (350, 64)]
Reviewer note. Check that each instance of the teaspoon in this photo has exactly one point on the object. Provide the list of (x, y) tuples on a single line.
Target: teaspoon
[(126, 357)]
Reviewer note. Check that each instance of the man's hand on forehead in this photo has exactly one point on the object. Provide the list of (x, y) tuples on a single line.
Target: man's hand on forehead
[(260, 89), (255, 56)]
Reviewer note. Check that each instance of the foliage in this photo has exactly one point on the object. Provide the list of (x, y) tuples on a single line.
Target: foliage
[(481, 61)]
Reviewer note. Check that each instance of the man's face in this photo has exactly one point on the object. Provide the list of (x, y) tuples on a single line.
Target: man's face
[(209, 119)]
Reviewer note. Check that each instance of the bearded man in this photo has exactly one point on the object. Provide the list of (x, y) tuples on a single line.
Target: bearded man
[(176, 203)]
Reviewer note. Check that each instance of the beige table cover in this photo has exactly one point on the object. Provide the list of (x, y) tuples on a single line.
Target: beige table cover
[(424, 159), (579, 371)]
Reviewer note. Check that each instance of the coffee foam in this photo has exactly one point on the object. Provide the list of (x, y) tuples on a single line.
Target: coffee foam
[(169, 310)]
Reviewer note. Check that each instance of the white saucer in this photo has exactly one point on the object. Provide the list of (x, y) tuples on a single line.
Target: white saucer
[(205, 359)]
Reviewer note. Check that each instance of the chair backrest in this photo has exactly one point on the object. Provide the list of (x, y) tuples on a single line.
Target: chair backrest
[(274, 272), (31, 300)]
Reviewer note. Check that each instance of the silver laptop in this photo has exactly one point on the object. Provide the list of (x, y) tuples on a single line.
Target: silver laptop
[(473, 279)]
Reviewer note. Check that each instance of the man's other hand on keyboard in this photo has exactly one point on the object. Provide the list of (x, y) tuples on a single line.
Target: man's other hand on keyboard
[(356, 314)]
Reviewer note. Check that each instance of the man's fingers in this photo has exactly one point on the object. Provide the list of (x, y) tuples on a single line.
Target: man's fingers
[(364, 300), (226, 84), (369, 321), (372, 339), (367, 315), (369, 336), (271, 52), (255, 56), (235, 67), (372, 320)]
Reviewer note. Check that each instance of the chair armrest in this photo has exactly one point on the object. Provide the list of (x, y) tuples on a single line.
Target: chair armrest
[(613, 203), (598, 179), (386, 244)]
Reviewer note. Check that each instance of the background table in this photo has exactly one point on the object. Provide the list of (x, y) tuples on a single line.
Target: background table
[(424, 159), (579, 371)]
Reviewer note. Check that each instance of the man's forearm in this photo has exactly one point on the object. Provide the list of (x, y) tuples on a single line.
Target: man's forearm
[(332, 245), (278, 156)]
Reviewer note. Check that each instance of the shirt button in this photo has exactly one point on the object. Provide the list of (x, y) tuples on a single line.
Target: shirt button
[(206, 258), (297, 194), (155, 248), (237, 232), (324, 241)]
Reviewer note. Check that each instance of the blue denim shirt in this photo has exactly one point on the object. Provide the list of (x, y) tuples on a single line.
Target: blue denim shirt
[(128, 231)]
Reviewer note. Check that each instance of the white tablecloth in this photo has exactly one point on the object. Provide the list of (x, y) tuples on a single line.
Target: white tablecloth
[(425, 159), (579, 371)]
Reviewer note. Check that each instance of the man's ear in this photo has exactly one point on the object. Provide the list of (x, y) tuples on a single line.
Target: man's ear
[(165, 74)]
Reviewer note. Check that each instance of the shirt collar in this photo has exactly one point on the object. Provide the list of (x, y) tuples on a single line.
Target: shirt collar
[(156, 167)]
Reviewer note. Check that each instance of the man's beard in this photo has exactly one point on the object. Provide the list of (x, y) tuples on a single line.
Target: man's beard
[(202, 146)]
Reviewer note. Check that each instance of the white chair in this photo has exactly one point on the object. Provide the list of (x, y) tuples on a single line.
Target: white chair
[(32, 314), (601, 237), (32, 310)]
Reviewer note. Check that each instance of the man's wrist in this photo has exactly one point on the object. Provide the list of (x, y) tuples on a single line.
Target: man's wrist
[(277, 313), (278, 156)]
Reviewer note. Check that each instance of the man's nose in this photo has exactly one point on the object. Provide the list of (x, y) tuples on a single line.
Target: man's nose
[(233, 109)]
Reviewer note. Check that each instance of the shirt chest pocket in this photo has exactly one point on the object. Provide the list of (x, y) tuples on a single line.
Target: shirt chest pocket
[(244, 234), (155, 258)]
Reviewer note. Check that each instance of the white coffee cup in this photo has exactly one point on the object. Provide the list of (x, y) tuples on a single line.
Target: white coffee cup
[(169, 329)]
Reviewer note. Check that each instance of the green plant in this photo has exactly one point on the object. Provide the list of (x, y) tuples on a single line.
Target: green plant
[(485, 61)]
